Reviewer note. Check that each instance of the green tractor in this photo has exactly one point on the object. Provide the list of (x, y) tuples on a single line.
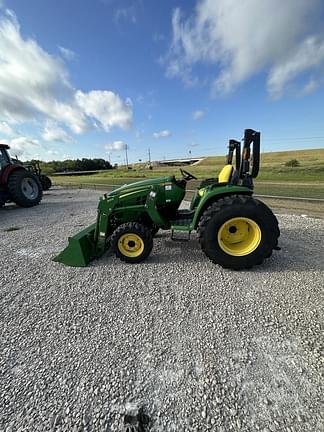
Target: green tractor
[(34, 167), (234, 229)]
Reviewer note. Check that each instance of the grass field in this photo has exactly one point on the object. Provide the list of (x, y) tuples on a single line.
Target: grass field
[(306, 180)]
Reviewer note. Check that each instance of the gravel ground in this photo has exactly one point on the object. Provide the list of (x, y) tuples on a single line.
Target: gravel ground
[(200, 347)]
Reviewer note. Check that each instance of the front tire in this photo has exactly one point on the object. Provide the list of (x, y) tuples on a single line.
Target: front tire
[(238, 232), (132, 242), (154, 230), (46, 182), (24, 188)]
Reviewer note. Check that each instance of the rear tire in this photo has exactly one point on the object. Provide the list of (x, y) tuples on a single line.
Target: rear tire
[(238, 232), (24, 188), (132, 242)]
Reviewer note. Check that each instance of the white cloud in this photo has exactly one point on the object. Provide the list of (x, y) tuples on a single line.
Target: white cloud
[(25, 90), (54, 133), (162, 134), (116, 146), (308, 55), (27, 148), (311, 86), (35, 85), (244, 38), (67, 53), (106, 107), (23, 147), (198, 114), (6, 129)]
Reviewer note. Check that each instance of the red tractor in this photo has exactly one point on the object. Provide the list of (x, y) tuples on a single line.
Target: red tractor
[(16, 183)]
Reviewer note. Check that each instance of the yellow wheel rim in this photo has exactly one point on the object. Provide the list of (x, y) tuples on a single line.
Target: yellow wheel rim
[(131, 245), (239, 236)]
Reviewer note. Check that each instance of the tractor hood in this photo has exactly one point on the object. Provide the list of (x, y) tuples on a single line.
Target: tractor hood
[(141, 185)]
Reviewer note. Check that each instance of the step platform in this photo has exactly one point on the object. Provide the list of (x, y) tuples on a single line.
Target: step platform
[(182, 223)]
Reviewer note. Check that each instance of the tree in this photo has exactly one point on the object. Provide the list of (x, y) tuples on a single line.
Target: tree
[(75, 165)]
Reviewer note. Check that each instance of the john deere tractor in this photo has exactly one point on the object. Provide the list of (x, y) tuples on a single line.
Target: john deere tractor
[(16, 183), (234, 229)]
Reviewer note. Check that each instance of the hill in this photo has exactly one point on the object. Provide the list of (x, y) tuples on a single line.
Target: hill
[(273, 166), (275, 178)]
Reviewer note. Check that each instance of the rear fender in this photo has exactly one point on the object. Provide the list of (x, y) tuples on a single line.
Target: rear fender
[(8, 171), (213, 195)]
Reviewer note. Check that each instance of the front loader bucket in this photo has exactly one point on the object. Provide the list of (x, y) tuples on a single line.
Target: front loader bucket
[(80, 250)]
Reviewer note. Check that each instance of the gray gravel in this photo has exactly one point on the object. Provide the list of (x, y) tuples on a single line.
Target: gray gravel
[(201, 348)]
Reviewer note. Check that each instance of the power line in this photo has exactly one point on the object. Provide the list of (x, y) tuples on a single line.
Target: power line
[(294, 139)]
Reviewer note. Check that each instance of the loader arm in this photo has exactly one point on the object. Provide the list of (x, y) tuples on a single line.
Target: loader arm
[(93, 241), (152, 210)]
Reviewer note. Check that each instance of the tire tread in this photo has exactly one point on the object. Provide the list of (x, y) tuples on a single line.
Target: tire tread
[(242, 200), (15, 192), (139, 229)]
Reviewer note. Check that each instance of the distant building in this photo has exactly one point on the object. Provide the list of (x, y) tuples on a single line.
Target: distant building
[(179, 162)]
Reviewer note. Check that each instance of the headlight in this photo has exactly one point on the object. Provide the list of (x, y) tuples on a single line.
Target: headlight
[(152, 194), (201, 192)]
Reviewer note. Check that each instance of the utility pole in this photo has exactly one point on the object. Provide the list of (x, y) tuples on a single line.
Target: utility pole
[(149, 156), (126, 156)]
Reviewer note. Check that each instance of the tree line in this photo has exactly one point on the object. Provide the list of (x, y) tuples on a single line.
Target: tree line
[(74, 165)]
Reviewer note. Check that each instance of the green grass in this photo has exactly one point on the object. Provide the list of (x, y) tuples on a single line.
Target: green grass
[(273, 165), (275, 178), (293, 190)]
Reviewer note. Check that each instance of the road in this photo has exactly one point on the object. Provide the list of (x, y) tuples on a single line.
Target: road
[(199, 347)]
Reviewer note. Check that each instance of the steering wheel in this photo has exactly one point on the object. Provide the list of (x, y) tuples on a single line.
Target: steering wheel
[(187, 176)]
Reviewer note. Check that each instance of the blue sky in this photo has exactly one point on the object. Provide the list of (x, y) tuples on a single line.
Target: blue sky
[(84, 78)]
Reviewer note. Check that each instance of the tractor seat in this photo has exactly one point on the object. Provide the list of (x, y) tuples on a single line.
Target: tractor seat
[(226, 174)]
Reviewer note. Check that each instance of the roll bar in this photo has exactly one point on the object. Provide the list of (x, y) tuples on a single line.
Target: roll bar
[(234, 147), (247, 163), (250, 161)]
